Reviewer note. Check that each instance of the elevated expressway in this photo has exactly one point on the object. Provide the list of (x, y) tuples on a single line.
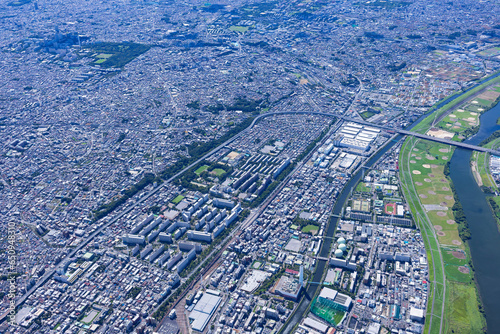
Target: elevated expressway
[(386, 128)]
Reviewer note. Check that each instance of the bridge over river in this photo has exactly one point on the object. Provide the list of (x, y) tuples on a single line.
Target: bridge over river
[(386, 128), (426, 137)]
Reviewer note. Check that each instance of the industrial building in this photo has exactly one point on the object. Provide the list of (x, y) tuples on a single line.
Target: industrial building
[(335, 300), (288, 287), (356, 136), (416, 314), (394, 221), (254, 280), (203, 310), (315, 325), (341, 263)]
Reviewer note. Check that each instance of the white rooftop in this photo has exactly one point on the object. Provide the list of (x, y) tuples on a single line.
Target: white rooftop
[(311, 323), (328, 293), (203, 310)]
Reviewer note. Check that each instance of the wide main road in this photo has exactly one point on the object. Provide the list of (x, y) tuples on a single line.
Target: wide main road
[(84, 243)]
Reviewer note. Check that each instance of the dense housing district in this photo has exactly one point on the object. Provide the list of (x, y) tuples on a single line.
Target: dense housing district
[(206, 167), (232, 244)]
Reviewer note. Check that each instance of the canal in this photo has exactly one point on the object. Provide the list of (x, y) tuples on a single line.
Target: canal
[(327, 242)]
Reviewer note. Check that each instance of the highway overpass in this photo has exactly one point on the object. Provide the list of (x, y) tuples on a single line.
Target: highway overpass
[(382, 127)]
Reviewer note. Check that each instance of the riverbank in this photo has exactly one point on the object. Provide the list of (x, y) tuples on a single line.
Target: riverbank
[(480, 161), (454, 304), (437, 115), (319, 273), (484, 178), (464, 294)]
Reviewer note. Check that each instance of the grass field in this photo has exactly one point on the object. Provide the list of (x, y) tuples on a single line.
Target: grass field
[(332, 316), (462, 313), (430, 224), (110, 54), (430, 239), (218, 172), (239, 28), (427, 162), (362, 188), (367, 114), (313, 229), (490, 52), (483, 102), (459, 120), (201, 169), (480, 161), (449, 258), (428, 122), (178, 199), (429, 195), (454, 274), (104, 55), (468, 115), (390, 208)]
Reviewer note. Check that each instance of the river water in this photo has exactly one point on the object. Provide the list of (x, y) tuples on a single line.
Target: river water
[(488, 125), (485, 241)]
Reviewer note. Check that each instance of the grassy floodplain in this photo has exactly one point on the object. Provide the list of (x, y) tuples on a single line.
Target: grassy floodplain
[(453, 304), (481, 169), (428, 192), (428, 122), (480, 161)]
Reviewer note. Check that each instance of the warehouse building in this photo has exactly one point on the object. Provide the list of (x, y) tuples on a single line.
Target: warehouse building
[(315, 325), (416, 314), (356, 136), (335, 300), (203, 310)]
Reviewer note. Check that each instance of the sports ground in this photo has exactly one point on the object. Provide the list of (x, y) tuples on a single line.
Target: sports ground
[(453, 302), (452, 294), (330, 315)]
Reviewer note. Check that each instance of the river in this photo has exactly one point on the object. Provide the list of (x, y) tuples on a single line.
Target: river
[(485, 241), (484, 132), (337, 209)]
